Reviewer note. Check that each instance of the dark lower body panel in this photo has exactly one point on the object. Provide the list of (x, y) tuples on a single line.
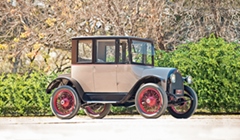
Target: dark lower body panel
[(103, 97)]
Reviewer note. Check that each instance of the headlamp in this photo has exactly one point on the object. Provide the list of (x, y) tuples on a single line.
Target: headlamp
[(189, 79), (173, 78)]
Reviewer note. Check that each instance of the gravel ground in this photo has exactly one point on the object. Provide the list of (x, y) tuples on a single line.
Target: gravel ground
[(197, 127)]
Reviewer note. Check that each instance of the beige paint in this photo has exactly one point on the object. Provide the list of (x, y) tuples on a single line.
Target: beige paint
[(128, 76), (84, 75), (107, 77), (125, 78)]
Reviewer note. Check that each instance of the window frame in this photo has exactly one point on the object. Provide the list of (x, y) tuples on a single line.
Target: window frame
[(152, 52), (77, 51), (96, 51), (127, 57)]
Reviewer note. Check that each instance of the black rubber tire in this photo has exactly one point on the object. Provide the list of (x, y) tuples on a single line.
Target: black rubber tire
[(192, 108), (75, 107), (105, 112), (161, 93)]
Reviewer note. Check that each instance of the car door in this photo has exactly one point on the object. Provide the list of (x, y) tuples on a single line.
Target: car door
[(104, 71), (125, 76)]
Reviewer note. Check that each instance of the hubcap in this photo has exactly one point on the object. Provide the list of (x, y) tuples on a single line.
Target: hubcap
[(151, 101), (65, 102)]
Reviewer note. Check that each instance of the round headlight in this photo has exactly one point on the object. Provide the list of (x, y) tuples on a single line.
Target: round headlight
[(173, 78), (189, 79)]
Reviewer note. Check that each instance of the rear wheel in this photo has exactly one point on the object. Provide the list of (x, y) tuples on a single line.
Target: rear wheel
[(97, 111), (65, 102), (151, 100), (186, 105)]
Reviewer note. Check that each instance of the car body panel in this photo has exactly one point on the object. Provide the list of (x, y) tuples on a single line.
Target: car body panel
[(128, 75), (84, 75), (115, 77), (160, 72), (105, 78)]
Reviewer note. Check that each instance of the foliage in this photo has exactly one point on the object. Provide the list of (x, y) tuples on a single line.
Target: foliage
[(215, 67), (24, 95)]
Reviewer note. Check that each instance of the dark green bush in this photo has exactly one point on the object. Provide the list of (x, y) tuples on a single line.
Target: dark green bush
[(215, 67)]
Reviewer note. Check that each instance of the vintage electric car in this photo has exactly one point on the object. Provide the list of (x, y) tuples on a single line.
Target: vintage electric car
[(119, 71)]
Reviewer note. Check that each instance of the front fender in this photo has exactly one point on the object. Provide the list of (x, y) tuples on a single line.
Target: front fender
[(146, 79), (65, 80)]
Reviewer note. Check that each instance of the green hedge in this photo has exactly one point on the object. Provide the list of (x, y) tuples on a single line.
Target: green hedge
[(24, 95), (215, 67)]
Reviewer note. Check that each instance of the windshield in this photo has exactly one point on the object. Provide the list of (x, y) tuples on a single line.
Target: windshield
[(142, 52)]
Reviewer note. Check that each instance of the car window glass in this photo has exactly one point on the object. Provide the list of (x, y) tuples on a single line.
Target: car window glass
[(85, 51), (105, 51), (141, 52)]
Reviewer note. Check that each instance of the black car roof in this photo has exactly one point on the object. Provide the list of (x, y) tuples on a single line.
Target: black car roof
[(111, 37)]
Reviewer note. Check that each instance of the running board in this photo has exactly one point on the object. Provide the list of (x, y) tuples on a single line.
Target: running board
[(102, 102), (101, 97)]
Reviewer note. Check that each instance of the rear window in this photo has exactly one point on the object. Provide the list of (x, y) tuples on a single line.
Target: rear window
[(85, 51)]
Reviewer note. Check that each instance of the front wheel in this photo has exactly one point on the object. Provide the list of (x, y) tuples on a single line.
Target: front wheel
[(97, 111), (151, 100), (186, 105), (65, 102)]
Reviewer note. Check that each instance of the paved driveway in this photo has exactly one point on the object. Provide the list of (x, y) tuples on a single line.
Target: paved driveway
[(120, 128)]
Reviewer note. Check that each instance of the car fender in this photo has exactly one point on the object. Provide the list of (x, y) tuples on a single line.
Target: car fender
[(153, 79), (146, 79), (159, 72), (65, 80)]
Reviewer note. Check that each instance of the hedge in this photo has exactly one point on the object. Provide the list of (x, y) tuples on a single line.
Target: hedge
[(24, 95)]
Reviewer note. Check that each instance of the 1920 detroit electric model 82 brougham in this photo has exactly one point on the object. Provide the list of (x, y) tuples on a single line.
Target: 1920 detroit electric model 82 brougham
[(119, 71)]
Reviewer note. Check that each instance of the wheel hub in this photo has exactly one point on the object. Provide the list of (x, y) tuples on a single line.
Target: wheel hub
[(65, 102), (151, 101)]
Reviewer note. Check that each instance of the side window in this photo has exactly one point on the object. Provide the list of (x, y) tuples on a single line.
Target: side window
[(142, 52), (105, 51), (85, 51), (123, 52), (137, 52)]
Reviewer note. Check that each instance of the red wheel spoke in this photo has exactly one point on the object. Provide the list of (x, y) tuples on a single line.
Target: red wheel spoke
[(150, 100), (64, 102)]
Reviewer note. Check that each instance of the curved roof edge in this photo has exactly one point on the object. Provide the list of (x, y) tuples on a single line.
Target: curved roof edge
[(111, 37)]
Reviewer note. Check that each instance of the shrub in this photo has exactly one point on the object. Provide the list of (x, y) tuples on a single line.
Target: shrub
[(24, 95)]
